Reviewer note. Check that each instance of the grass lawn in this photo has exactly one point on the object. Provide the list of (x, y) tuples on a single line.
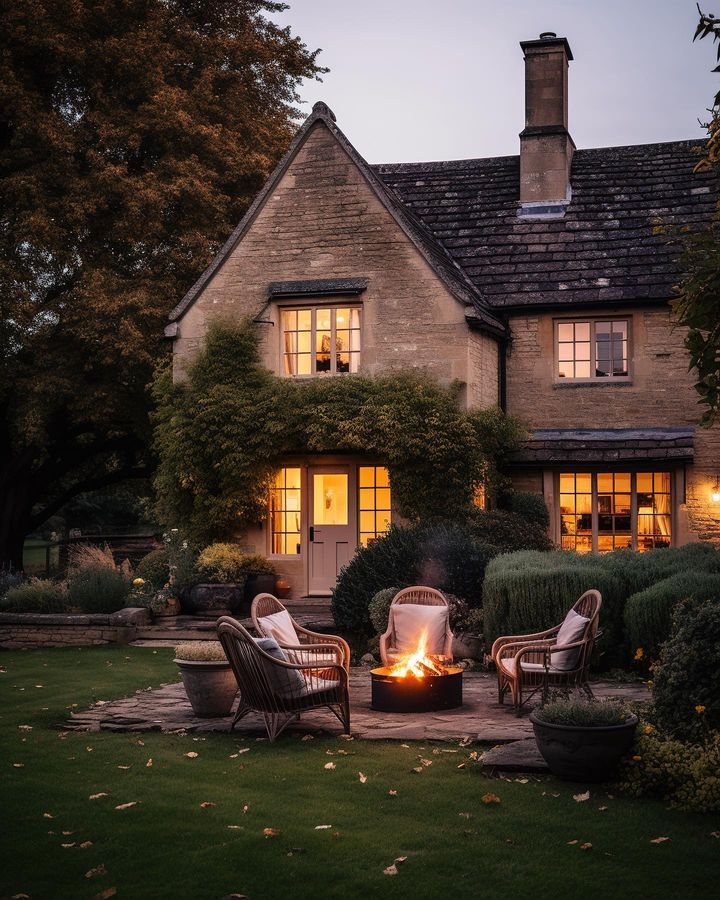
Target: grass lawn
[(170, 845)]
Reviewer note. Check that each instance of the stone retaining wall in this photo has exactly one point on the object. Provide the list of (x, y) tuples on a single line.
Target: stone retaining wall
[(70, 629)]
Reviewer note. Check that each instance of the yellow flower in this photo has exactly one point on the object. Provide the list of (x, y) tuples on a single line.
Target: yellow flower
[(648, 729), (139, 582), (699, 710), (639, 653)]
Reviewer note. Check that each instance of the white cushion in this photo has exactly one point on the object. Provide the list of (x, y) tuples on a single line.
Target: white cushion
[(508, 663), (313, 658), (279, 626), (283, 682), (411, 619), (572, 630)]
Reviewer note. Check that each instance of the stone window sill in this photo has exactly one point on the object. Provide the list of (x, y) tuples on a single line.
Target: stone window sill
[(599, 383)]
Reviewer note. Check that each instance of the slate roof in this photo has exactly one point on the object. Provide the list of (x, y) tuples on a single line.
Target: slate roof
[(602, 251), (611, 445)]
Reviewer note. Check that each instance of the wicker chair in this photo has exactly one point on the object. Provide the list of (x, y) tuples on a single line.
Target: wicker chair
[(279, 690), (524, 662), (419, 596), (266, 605)]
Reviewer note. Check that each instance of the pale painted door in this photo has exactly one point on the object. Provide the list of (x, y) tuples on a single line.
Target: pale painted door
[(333, 524)]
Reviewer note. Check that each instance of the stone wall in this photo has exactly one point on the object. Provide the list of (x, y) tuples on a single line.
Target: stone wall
[(658, 394), (62, 630), (323, 220)]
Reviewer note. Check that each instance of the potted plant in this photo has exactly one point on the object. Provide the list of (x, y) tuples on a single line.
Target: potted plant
[(282, 587), (209, 681), (583, 739), (219, 587), (259, 576), (467, 626)]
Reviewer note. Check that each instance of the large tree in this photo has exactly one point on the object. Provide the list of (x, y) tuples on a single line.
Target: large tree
[(133, 134), (697, 305)]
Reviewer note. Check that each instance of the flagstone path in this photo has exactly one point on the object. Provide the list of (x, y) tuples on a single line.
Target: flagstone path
[(480, 718)]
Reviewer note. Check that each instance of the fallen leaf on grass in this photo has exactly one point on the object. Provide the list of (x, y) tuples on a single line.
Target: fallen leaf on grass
[(586, 846), (293, 850), (425, 762), (245, 808), (24, 727), (89, 749), (522, 780), (330, 765), (490, 798), (270, 832), (233, 897), (363, 778), (322, 827), (461, 766), (571, 843), (465, 815), (191, 754), (417, 769), (466, 740), (124, 767), (581, 798), (48, 816), (85, 844), (602, 809), (148, 764), (18, 765), (659, 840), (406, 746), (127, 805), (72, 844), (106, 894), (715, 834), (206, 804), (308, 737), (97, 796), (399, 860), (98, 870), (236, 827), (66, 833), (391, 870), (346, 737), (393, 793)]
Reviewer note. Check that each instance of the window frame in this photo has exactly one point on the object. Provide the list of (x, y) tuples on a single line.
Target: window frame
[(313, 307), (283, 511), (375, 510), (593, 472), (592, 321)]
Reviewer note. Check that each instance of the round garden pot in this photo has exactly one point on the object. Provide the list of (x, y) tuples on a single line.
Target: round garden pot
[(581, 753), (258, 584), (210, 686), (214, 599)]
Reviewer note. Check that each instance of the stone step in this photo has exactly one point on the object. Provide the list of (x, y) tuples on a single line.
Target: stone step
[(516, 756)]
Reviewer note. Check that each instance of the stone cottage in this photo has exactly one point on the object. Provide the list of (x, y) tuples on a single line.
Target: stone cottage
[(537, 280)]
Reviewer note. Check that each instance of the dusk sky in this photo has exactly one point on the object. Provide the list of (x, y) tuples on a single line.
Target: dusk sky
[(423, 79)]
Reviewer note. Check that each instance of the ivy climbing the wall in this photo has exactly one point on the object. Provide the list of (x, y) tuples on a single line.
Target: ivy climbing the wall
[(222, 432)]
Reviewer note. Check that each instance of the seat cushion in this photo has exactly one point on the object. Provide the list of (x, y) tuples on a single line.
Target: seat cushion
[(572, 629), (279, 626), (283, 682), (313, 658), (411, 619), (508, 663)]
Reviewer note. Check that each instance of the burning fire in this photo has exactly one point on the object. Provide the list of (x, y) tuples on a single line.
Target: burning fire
[(418, 663)]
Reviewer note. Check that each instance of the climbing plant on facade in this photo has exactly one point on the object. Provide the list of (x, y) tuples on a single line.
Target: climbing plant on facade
[(222, 433)]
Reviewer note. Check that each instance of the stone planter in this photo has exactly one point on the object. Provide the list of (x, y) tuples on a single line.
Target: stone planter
[(583, 753), (214, 599), (258, 584), (468, 646), (210, 686), (171, 608)]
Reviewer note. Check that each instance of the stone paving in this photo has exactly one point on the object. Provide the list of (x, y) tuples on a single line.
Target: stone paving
[(480, 718)]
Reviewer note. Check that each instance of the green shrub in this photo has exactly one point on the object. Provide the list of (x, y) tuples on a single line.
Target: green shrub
[(686, 683), (155, 567), (98, 589), (379, 609), (445, 556), (255, 564), (528, 504), (582, 712), (537, 595), (37, 595), (648, 614), (509, 531), (221, 564), (684, 774)]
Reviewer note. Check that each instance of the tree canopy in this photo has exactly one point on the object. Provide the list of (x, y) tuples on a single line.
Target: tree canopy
[(133, 135), (223, 432)]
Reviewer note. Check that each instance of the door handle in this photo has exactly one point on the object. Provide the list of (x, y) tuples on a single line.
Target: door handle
[(312, 534)]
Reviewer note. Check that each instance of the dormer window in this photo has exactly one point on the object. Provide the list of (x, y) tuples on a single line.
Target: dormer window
[(320, 340), (592, 350)]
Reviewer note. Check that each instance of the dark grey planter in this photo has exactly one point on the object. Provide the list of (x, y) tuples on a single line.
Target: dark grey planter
[(468, 646), (214, 599), (259, 584), (210, 686), (576, 753)]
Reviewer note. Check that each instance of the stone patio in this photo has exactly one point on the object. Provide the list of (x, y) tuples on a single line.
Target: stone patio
[(480, 718)]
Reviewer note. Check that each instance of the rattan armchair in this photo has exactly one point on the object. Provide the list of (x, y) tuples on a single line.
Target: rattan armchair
[(265, 605), (280, 691), (524, 662), (419, 596)]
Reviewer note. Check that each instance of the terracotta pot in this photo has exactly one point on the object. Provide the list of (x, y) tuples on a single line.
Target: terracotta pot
[(282, 588), (583, 753), (210, 686), (172, 608)]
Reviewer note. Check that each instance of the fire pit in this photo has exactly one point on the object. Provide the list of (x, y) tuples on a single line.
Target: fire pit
[(418, 682)]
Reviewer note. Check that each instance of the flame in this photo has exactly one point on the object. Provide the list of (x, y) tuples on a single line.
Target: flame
[(418, 662)]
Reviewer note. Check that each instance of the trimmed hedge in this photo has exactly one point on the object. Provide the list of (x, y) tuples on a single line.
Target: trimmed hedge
[(509, 531), (445, 556), (648, 614)]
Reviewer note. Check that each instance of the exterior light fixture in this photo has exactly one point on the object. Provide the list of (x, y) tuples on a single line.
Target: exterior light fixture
[(715, 494)]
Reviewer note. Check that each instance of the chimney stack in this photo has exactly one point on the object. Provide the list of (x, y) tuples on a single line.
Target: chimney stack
[(546, 148)]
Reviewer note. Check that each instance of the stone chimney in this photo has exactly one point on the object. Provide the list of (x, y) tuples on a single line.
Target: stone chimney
[(546, 148)]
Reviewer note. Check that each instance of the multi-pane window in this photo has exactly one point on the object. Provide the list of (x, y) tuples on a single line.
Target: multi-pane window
[(606, 511), (320, 340), (285, 510), (373, 502), (593, 349)]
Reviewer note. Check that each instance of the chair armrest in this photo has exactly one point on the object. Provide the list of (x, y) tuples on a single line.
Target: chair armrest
[(327, 639), (384, 644), (522, 638)]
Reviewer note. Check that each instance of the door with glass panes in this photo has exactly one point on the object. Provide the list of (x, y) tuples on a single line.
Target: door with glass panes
[(332, 524)]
